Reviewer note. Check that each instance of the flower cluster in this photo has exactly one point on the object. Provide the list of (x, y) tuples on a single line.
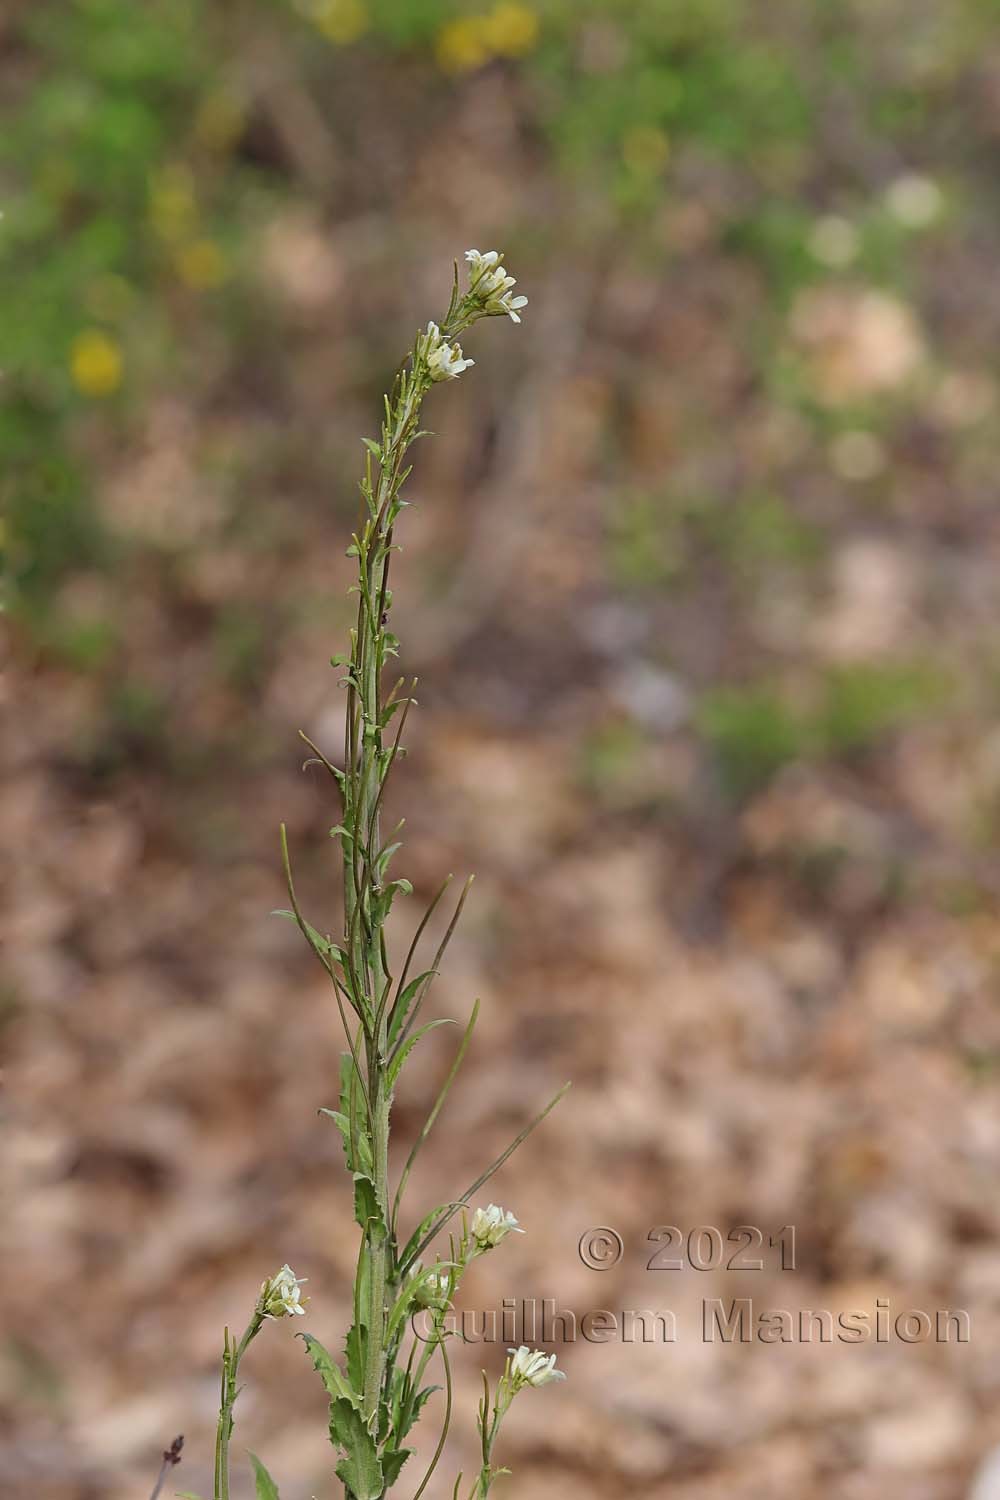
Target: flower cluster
[(444, 360), (490, 284), (280, 1296), (530, 1367), (490, 1225)]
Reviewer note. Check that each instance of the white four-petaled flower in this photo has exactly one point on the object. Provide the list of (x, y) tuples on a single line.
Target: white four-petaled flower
[(531, 1367), (281, 1296), (488, 280), (444, 360), (492, 1224)]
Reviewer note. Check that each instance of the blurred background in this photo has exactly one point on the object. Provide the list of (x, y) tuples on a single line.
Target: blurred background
[(702, 584)]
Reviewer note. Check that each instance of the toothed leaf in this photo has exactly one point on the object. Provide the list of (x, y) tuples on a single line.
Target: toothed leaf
[(360, 1469), (336, 1382)]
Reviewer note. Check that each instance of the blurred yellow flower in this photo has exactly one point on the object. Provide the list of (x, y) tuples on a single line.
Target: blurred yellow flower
[(201, 265), (646, 150), (340, 21), (510, 30), (95, 363), (172, 207), (461, 45)]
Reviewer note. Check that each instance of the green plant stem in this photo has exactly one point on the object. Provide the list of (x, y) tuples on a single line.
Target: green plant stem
[(362, 884), (368, 765), (231, 1356), (382, 1029), (489, 1428)]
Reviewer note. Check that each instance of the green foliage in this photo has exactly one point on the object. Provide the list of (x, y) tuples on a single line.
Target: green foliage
[(861, 703), (660, 540), (266, 1487), (337, 1386), (757, 729), (754, 732), (360, 1468), (646, 547)]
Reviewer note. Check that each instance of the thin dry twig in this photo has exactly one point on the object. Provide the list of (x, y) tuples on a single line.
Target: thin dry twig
[(171, 1458)]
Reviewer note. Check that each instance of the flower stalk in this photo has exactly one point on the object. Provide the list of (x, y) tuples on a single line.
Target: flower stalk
[(232, 1353), (377, 1394), (436, 357), (279, 1297), (525, 1367)]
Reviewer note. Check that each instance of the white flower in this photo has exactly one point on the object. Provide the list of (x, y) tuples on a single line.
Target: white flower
[(490, 1225), (489, 282), (433, 1289), (507, 304), (483, 266), (444, 360), (281, 1295), (531, 1367)]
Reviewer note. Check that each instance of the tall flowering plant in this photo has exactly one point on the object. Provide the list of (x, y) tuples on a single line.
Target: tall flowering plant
[(378, 1389)]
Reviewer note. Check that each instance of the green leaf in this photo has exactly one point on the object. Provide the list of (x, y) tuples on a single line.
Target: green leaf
[(319, 942), (399, 1393), (414, 1408), (360, 1470), (393, 708), (343, 1124), (396, 1066), (366, 1207), (354, 1353), (373, 447), (402, 1006), (386, 854), (357, 1144), (393, 1460), (321, 945), (383, 904), (407, 1403), (266, 1487), (326, 1367)]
